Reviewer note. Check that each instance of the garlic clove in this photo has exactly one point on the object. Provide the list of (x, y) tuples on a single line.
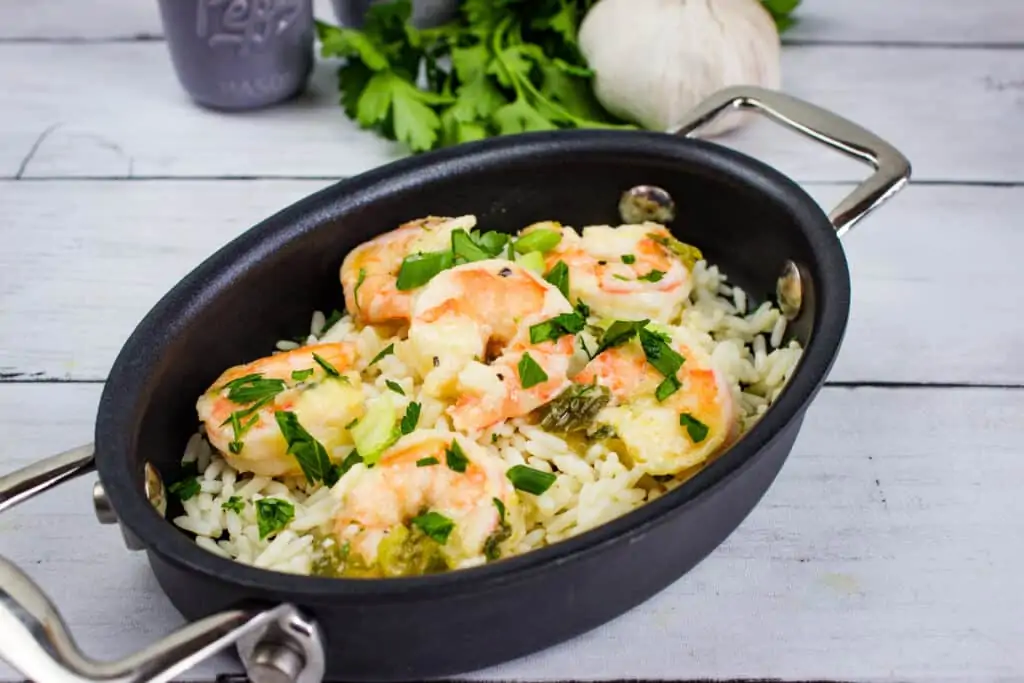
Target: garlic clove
[(654, 60)]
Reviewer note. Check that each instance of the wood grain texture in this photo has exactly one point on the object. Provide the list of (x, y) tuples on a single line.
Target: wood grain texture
[(888, 550), (911, 21), (85, 260), (955, 113)]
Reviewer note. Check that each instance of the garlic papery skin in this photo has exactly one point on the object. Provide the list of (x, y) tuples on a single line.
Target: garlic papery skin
[(654, 60)]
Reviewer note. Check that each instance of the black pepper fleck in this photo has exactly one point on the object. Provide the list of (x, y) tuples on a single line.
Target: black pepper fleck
[(505, 272), (602, 263), (437, 361), (501, 377)]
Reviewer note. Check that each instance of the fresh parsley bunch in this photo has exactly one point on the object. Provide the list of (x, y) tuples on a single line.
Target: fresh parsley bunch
[(502, 67)]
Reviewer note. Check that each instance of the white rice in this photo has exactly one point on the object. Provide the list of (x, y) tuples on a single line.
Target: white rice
[(591, 488)]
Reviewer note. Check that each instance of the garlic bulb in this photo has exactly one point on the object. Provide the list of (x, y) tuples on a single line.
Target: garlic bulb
[(654, 60)]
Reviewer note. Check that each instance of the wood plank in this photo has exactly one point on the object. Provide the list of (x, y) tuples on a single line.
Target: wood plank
[(141, 124), (889, 549), (912, 21), (85, 260)]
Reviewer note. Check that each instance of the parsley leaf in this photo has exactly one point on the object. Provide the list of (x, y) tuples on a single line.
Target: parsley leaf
[(386, 351), (310, 453), (435, 525), (555, 328), (411, 418), (697, 430), (455, 458), (653, 276), (618, 333), (395, 387), (272, 515), (233, 504), (530, 372), (186, 488)]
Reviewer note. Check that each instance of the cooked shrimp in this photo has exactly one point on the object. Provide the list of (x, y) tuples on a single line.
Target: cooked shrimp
[(483, 310), (665, 437), (369, 274), (238, 409), (624, 272), (415, 477)]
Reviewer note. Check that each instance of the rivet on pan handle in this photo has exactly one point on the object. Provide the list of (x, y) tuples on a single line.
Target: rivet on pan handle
[(275, 645), (892, 170)]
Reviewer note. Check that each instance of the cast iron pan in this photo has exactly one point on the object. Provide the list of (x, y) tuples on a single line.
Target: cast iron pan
[(745, 216)]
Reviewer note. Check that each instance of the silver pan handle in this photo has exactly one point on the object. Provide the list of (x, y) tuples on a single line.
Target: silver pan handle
[(892, 170), (277, 645)]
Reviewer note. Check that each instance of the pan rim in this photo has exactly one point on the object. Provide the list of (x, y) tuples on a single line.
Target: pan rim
[(116, 432)]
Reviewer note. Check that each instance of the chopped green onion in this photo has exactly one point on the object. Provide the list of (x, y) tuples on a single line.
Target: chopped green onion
[(559, 277), (557, 327), (387, 351), (435, 525), (418, 269), (328, 368), (532, 261), (233, 504), (412, 416), (299, 375), (697, 430), (653, 276), (628, 259), (530, 373), (427, 462), (540, 240), (465, 250), (530, 480), (186, 488), (377, 429), (310, 453), (618, 333), (455, 458), (272, 515), (395, 387)]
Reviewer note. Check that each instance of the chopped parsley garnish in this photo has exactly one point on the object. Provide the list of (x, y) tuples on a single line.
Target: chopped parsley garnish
[(628, 259), (465, 250), (427, 462), (620, 277), (664, 359), (350, 461), (299, 375), (435, 525), (186, 488), (492, 546), (239, 427), (355, 292), (419, 269), (328, 368), (386, 351), (541, 240), (530, 480), (618, 333), (653, 276), (501, 509), (272, 515), (557, 327), (395, 387), (455, 458), (668, 386), (559, 277), (310, 453), (582, 309), (697, 430), (253, 388), (530, 373), (233, 504), (335, 315), (411, 418)]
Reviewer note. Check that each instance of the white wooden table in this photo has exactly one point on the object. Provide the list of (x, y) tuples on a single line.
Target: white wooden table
[(890, 547)]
